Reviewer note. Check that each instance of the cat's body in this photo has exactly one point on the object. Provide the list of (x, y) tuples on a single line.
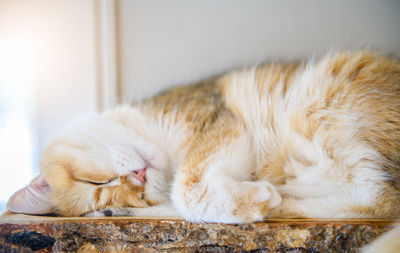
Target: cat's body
[(297, 140)]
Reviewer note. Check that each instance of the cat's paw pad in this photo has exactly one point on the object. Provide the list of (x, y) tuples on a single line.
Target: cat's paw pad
[(108, 212)]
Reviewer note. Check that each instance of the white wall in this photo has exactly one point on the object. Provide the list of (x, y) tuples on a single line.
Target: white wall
[(177, 41), (163, 43), (62, 37)]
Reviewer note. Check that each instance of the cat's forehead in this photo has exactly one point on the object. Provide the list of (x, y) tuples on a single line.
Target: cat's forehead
[(125, 158), (97, 150)]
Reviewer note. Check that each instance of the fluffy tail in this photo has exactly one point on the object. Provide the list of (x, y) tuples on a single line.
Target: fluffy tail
[(388, 243)]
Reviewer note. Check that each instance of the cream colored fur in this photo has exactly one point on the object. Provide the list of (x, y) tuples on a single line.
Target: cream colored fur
[(319, 139)]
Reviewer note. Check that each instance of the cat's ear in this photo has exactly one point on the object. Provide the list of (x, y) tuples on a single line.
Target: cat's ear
[(32, 199)]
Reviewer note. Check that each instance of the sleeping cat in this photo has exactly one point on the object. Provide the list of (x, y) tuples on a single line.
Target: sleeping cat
[(316, 139)]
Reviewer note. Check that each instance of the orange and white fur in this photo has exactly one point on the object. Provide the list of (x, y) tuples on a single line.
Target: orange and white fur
[(317, 139)]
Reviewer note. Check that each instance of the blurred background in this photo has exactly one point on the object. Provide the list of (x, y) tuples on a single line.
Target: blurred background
[(61, 60)]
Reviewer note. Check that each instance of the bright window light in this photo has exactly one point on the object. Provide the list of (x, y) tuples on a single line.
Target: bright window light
[(16, 116)]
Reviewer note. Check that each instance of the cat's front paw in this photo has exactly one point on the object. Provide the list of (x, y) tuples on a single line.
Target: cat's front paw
[(107, 212), (254, 200)]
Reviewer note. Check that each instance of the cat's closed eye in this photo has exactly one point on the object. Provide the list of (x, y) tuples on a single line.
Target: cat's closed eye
[(96, 183)]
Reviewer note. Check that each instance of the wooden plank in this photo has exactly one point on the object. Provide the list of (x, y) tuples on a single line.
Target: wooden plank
[(23, 233)]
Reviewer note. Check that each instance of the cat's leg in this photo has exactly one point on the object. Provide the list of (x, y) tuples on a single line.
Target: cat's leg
[(349, 183), (214, 183), (163, 210)]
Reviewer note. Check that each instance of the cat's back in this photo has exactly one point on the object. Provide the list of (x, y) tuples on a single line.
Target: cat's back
[(336, 79), (339, 88), (356, 94), (198, 106)]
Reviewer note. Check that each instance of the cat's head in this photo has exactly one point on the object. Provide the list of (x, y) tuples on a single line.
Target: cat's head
[(93, 165)]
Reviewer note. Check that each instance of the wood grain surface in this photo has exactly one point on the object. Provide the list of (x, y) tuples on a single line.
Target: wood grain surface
[(24, 233)]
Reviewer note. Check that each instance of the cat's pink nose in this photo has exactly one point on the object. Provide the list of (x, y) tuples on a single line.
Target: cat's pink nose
[(140, 175)]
